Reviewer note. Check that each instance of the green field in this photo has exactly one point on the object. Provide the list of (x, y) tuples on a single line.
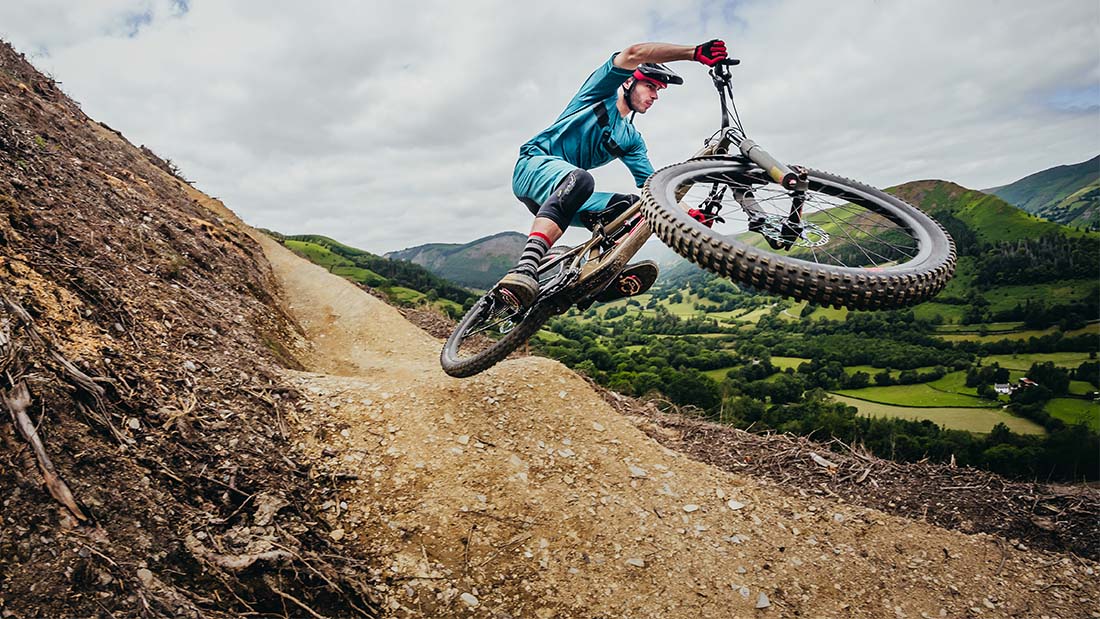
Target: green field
[(1056, 293), (819, 313), (872, 370), (954, 382), (404, 295), (992, 327), (364, 276), (1023, 361), (1093, 328), (949, 313), (780, 362), (979, 420), (1080, 387), (788, 362), (719, 374), (752, 316), (317, 254), (918, 396), (1074, 411), (547, 335), (446, 303)]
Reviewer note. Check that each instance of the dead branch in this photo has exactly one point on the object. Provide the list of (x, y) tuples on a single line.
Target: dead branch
[(17, 402), (82, 380), (270, 581)]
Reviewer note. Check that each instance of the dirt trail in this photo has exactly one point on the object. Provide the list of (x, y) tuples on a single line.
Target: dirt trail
[(520, 493)]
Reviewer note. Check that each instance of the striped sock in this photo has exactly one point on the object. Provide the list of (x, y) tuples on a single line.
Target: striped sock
[(537, 246)]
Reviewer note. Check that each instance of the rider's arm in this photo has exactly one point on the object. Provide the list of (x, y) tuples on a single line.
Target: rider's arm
[(709, 53), (637, 161), (638, 53)]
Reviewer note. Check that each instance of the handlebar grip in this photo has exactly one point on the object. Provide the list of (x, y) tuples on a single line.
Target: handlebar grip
[(730, 62)]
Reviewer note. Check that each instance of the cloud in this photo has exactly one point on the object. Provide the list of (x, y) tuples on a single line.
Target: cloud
[(387, 125)]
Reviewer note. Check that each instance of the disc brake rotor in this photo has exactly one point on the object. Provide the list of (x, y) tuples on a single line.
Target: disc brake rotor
[(811, 234)]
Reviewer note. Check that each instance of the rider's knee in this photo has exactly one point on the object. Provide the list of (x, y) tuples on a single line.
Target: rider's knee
[(568, 197), (584, 186), (573, 190)]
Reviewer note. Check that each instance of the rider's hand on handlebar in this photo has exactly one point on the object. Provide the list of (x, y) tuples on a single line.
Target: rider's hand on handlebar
[(710, 53)]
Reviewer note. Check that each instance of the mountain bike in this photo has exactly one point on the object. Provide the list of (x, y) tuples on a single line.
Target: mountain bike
[(735, 210)]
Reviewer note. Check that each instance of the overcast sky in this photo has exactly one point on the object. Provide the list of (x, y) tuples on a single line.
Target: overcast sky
[(390, 124)]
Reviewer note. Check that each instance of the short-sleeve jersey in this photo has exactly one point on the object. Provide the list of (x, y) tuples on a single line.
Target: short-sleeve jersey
[(577, 136)]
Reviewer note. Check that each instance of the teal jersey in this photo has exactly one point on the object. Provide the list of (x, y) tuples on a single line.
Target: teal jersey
[(578, 137)]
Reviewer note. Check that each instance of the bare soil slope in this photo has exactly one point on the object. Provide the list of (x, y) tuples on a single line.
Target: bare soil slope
[(520, 493), (139, 340)]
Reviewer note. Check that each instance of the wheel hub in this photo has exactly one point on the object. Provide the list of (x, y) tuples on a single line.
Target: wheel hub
[(776, 229)]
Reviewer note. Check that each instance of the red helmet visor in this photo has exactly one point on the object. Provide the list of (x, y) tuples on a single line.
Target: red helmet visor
[(638, 75)]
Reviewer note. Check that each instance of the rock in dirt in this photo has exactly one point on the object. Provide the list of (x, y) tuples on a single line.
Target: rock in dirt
[(266, 507), (145, 576)]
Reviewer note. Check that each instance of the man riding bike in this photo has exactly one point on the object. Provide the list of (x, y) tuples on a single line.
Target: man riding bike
[(551, 176)]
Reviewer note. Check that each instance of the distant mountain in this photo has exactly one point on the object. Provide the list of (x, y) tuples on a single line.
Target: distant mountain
[(1067, 194), (478, 264)]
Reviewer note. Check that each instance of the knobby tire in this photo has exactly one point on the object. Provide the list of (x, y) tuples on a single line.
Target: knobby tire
[(878, 287), (458, 366)]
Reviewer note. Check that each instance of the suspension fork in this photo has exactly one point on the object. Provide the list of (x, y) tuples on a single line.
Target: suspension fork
[(792, 227)]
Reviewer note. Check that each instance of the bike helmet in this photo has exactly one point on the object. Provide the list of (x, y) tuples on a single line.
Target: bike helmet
[(651, 72), (655, 72)]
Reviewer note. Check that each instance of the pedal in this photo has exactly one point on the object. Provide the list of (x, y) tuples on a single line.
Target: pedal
[(634, 280)]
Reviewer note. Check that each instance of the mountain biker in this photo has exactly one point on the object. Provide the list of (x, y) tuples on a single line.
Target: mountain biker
[(551, 176)]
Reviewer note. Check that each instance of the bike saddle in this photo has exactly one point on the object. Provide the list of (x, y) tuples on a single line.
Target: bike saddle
[(591, 219)]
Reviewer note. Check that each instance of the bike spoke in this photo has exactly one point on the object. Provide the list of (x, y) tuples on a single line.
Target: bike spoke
[(834, 227)]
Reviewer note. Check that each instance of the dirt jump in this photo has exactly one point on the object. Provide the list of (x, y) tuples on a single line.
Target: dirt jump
[(521, 493)]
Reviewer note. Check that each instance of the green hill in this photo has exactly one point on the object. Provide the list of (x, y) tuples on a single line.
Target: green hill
[(478, 264), (404, 283), (988, 218), (1067, 194)]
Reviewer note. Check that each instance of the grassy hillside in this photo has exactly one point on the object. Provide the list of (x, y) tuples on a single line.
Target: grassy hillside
[(989, 218), (1067, 194), (404, 283)]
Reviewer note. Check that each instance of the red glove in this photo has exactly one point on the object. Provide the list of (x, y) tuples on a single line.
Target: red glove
[(710, 53), (701, 217)]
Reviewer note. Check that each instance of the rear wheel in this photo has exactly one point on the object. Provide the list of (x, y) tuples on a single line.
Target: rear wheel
[(494, 326), (847, 244), (488, 333)]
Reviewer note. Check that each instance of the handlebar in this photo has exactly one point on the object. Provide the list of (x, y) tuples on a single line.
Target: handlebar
[(720, 74)]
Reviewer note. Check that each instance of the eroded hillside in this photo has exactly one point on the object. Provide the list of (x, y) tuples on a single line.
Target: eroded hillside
[(245, 433), (138, 315)]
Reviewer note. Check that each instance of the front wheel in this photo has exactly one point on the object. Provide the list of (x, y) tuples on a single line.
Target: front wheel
[(839, 243)]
